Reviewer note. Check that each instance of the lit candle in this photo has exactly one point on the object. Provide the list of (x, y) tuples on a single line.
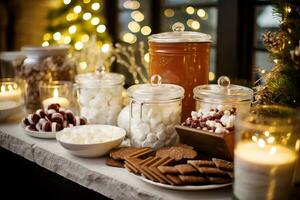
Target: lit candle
[(10, 96), (263, 170), (64, 102)]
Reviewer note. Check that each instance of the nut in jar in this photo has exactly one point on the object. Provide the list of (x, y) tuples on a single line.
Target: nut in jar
[(155, 109)]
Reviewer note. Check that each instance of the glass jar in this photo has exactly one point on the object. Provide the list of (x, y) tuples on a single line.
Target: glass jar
[(60, 92), (266, 153), (155, 109), (182, 58), (224, 95), (43, 64), (100, 96)]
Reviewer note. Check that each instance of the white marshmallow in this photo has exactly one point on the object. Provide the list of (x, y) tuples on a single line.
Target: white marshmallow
[(194, 115), (151, 137)]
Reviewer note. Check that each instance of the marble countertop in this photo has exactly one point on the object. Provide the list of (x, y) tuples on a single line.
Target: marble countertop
[(115, 183)]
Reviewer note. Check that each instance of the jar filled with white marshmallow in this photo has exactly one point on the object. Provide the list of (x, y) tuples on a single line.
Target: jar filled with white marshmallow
[(100, 96), (155, 109), (223, 97)]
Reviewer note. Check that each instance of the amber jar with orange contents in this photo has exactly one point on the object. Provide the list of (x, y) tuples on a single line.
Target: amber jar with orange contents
[(181, 57)]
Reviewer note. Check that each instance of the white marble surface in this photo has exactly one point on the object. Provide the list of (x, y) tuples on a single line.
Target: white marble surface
[(112, 182)]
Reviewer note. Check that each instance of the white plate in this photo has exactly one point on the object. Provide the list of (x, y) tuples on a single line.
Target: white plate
[(41, 134), (185, 187)]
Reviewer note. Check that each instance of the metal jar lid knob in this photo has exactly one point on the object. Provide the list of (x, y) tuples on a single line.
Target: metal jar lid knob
[(155, 80), (178, 27), (224, 82)]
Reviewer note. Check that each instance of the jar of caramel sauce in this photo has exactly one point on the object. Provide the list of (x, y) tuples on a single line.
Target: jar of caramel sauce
[(181, 57)]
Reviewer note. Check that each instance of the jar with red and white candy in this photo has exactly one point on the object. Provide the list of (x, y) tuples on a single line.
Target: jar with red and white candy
[(223, 97)]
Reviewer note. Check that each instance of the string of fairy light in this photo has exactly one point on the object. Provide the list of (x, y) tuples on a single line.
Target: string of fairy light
[(73, 34), (135, 25)]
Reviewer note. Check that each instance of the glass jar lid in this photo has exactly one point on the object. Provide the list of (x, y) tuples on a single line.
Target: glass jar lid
[(99, 79), (179, 35), (223, 91), (155, 91)]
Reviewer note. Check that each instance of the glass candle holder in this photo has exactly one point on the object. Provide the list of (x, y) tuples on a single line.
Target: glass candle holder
[(266, 153), (60, 92), (11, 95)]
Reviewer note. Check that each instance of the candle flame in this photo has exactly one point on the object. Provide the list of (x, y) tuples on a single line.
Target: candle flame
[(273, 150), (2, 88), (254, 138), (55, 93), (10, 88), (270, 139), (261, 143), (267, 133)]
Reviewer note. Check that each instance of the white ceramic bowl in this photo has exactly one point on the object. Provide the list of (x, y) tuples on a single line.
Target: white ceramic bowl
[(93, 149)]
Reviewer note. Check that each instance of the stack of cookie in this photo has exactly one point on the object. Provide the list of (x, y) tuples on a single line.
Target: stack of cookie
[(117, 156), (176, 165)]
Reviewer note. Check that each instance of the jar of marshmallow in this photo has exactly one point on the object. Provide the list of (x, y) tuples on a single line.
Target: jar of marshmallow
[(100, 96), (155, 109), (223, 96)]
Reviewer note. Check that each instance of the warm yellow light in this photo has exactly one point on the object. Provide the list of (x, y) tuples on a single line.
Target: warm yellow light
[(201, 13), (190, 10), (105, 48), (275, 61), (57, 36), (85, 38), (146, 30), (95, 21), (131, 4), (86, 1), (47, 36), (66, 2), (189, 22), (67, 39), (45, 44), (254, 138), (77, 9), (55, 93), (70, 16), (101, 28), (72, 29), (271, 139), (146, 57), (95, 6), (195, 25), (137, 16), (129, 38), (169, 12), (273, 150), (288, 9), (78, 45), (83, 65), (134, 27), (261, 143), (211, 76), (267, 133), (87, 16)]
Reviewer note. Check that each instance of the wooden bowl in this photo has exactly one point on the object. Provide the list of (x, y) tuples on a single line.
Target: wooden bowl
[(213, 144)]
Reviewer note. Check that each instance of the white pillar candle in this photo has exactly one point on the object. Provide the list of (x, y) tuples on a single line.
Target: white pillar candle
[(64, 102), (263, 171)]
